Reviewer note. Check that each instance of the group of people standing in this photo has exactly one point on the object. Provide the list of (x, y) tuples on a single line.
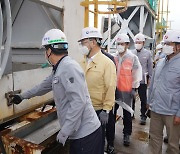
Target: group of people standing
[(87, 95)]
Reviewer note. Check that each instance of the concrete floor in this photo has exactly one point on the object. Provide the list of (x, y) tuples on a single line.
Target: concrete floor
[(139, 137)]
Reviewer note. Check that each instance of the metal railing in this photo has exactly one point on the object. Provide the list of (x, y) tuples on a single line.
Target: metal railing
[(114, 3)]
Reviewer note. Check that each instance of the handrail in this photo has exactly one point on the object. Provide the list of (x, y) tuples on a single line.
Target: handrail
[(96, 3)]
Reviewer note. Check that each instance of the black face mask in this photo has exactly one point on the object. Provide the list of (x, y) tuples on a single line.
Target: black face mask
[(48, 58)]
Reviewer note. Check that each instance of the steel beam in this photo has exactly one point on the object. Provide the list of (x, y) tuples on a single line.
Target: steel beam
[(133, 13), (15, 9), (141, 22), (55, 4), (51, 17), (114, 29), (145, 18), (141, 3), (124, 25)]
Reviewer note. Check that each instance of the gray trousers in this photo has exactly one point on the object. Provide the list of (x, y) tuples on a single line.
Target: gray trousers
[(157, 123)]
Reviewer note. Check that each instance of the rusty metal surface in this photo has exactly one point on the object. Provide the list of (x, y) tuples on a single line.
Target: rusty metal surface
[(14, 145), (15, 138), (2, 149), (18, 125), (37, 114)]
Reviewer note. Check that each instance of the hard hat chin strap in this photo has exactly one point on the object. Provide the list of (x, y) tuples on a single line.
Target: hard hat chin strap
[(90, 48), (89, 52), (98, 41)]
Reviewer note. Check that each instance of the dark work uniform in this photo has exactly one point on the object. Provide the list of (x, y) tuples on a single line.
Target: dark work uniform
[(110, 127)]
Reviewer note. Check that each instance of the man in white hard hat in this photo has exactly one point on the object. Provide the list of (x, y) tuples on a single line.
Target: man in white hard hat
[(129, 75), (100, 73), (145, 59), (159, 53), (164, 97), (76, 115)]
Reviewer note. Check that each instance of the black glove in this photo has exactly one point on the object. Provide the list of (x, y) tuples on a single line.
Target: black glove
[(104, 116), (16, 99)]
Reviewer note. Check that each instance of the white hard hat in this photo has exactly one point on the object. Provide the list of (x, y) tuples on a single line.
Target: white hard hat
[(172, 36), (139, 37), (90, 32), (54, 36), (122, 38), (159, 46)]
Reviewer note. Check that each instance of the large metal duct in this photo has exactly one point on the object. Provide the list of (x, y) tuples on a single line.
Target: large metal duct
[(5, 38)]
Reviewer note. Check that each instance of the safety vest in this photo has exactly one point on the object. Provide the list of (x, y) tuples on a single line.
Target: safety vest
[(124, 74)]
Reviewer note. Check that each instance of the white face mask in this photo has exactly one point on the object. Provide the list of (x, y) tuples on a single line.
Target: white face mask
[(167, 49), (120, 48), (84, 50), (138, 46)]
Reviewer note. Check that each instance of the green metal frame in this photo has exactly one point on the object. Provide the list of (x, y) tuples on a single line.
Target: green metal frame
[(153, 4)]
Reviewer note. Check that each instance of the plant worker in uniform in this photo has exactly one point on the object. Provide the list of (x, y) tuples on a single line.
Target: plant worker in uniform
[(146, 61), (110, 126), (159, 53), (164, 97), (129, 75), (77, 118), (100, 73)]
